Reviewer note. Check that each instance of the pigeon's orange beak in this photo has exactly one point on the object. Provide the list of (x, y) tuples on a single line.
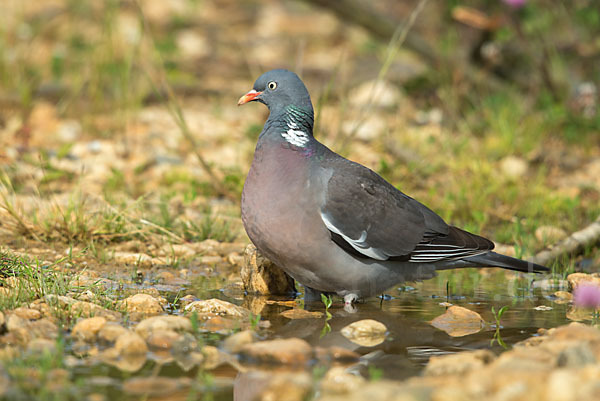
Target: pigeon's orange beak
[(248, 97)]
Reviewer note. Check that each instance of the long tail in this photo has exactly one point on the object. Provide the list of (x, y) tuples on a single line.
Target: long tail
[(493, 259)]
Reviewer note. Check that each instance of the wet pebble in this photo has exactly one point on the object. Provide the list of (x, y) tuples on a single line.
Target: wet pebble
[(575, 279), (337, 380), (290, 351), (140, 305), (163, 339), (155, 386), (458, 321), (549, 234), (458, 363), (27, 313), (367, 332), (165, 322), (237, 341), (301, 314), (87, 329), (261, 276), (218, 307), (110, 331)]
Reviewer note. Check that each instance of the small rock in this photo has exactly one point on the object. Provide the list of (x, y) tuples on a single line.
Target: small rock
[(339, 381), (513, 166), (378, 93), (237, 341), (218, 307), (261, 276), (576, 279), (41, 345), (563, 296), (459, 363), (131, 343), (167, 322), (27, 313), (141, 305), (163, 339), (301, 314), (336, 354), (87, 329), (110, 331), (543, 308), (291, 351), (549, 234), (576, 356), (212, 357), (155, 386), (261, 385), (459, 321), (367, 332)]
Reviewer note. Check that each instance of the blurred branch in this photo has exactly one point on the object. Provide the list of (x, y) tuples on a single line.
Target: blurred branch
[(381, 26), (572, 245)]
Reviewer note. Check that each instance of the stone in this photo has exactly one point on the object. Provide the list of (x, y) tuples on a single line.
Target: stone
[(549, 234), (513, 167), (131, 343), (260, 385), (459, 363), (563, 296), (378, 93), (301, 314), (163, 339), (237, 341), (27, 313), (155, 386), (41, 345), (166, 322), (141, 305), (336, 354), (576, 279), (218, 307), (367, 332), (261, 276), (337, 380), (290, 351), (87, 329), (458, 321), (110, 331)]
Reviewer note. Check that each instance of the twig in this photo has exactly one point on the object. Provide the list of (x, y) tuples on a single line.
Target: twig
[(383, 27), (176, 111), (573, 244), (399, 36)]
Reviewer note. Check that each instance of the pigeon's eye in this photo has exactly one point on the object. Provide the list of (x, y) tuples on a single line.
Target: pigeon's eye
[(272, 85)]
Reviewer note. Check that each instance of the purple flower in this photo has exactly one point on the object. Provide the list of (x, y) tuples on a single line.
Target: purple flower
[(586, 296), (515, 3)]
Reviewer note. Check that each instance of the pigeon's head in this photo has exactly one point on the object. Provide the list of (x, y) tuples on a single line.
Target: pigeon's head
[(279, 89)]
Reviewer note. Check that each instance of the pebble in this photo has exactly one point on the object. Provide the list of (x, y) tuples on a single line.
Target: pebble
[(301, 314), (337, 380), (165, 322), (290, 351), (237, 341), (131, 343), (218, 307), (459, 321), (110, 331), (261, 276), (155, 386), (140, 305), (576, 279), (378, 93), (458, 363), (549, 234), (367, 332), (163, 339), (87, 329), (513, 166)]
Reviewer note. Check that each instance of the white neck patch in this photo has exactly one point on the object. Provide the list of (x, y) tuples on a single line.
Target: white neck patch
[(295, 136)]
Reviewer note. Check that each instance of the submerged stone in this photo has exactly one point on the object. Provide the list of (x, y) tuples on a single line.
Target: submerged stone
[(290, 351), (218, 307), (459, 321), (367, 332)]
